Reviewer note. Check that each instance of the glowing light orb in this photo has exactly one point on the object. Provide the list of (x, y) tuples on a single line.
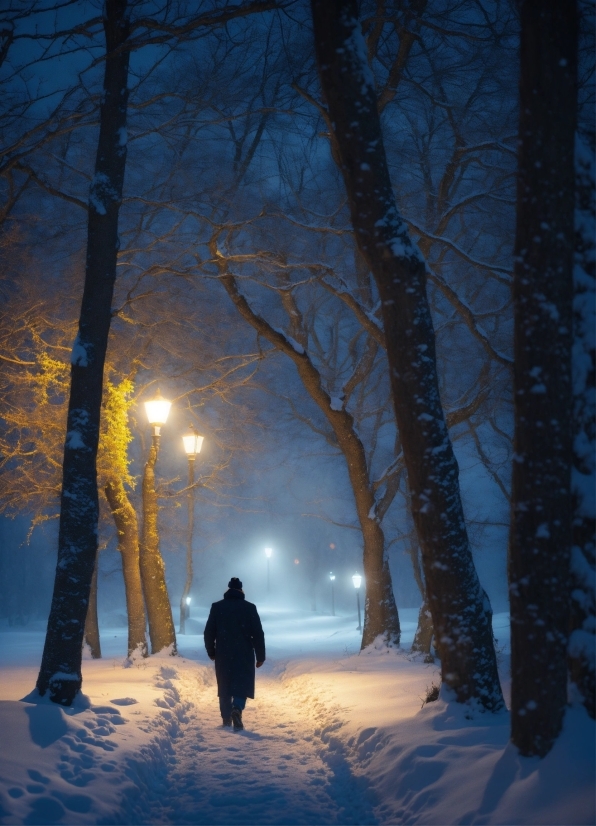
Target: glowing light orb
[(158, 410), (192, 443)]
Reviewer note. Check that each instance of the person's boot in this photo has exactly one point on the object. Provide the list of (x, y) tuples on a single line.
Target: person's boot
[(226, 721), (237, 719)]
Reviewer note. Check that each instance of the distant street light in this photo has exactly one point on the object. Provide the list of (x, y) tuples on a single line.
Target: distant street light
[(159, 610), (192, 443), (268, 552), (357, 579), (192, 446), (332, 580)]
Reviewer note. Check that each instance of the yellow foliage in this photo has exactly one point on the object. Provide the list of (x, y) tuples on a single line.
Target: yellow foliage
[(33, 411), (115, 434), (51, 381)]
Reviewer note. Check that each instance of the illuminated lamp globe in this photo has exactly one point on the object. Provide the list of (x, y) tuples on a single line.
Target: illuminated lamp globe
[(192, 443), (158, 410), (356, 579), (331, 576), (268, 552), (188, 600)]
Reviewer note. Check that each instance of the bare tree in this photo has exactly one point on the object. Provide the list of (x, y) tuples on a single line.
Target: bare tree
[(459, 606), (381, 615), (60, 671)]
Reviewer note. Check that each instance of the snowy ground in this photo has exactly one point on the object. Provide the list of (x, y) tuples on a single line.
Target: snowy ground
[(332, 737)]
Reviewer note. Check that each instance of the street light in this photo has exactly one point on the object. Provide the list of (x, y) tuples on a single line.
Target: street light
[(268, 552), (357, 579), (192, 446), (192, 443), (332, 580), (159, 610), (158, 410)]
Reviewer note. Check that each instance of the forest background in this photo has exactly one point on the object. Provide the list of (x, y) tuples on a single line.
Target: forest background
[(230, 147)]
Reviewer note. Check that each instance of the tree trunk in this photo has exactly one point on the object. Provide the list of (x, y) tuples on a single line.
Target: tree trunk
[(424, 630), (380, 611), (159, 611), (125, 520), (91, 621), (60, 671), (583, 608), (381, 617), (460, 609), (184, 612), (540, 535), (424, 633)]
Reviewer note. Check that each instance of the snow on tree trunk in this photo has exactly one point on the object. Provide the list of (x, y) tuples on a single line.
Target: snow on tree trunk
[(159, 610), (91, 620), (540, 534), (126, 523), (60, 671), (460, 609), (582, 645)]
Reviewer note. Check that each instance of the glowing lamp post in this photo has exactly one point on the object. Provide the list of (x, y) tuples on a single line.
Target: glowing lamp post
[(357, 580), (159, 610), (192, 443), (192, 447), (268, 552), (158, 410), (332, 581)]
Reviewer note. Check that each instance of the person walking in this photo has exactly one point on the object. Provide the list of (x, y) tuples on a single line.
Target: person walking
[(233, 638)]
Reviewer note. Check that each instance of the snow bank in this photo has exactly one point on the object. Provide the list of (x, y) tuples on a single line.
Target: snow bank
[(435, 764), (101, 760)]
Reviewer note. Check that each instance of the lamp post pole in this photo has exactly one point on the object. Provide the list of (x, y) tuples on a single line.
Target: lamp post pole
[(159, 610), (184, 610), (357, 579), (332, 580), (268, 552), (192, 445)]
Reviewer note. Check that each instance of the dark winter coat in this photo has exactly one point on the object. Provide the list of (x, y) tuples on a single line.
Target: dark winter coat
[(234, 635)]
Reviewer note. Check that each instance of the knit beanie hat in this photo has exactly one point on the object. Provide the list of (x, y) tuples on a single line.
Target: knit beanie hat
[(235, 583)]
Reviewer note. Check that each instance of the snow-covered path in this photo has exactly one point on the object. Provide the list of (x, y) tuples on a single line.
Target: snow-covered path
[(333, 737), (277, 770)]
